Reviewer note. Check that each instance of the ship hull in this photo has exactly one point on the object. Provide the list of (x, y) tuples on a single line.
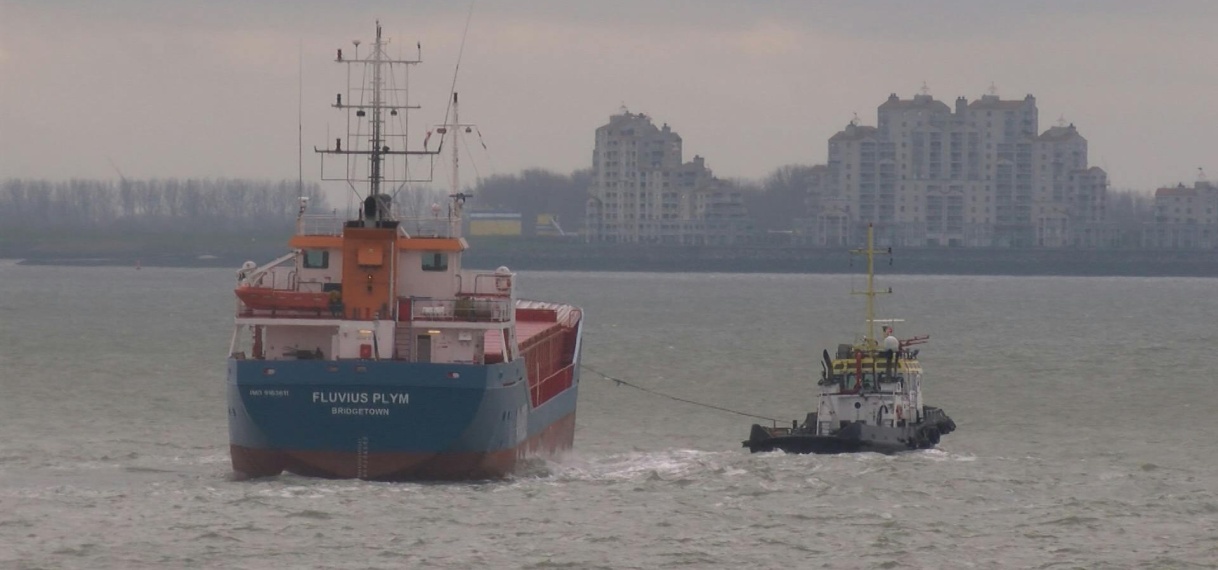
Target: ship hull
[(391, 420), (853, 438), (402, 466)]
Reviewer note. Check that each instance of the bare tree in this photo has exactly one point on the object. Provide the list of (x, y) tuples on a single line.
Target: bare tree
[(170, 204), (537, 191)]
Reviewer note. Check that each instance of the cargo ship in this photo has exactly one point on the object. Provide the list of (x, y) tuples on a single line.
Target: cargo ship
[(367, 351), (870, 394)]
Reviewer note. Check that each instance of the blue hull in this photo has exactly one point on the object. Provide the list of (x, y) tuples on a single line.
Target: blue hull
[(390, 419)]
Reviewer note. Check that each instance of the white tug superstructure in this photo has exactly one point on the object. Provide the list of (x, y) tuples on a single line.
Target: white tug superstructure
[(870, 394)]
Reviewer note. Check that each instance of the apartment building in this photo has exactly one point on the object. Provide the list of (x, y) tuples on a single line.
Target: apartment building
[(1185, 218), (643, 192), (972, 174)]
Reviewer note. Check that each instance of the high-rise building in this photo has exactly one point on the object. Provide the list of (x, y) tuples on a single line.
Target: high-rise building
[(1185, 218), (642, 191), (976, 174)]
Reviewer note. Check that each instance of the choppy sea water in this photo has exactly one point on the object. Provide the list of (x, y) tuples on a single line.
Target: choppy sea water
[(1087, 412)]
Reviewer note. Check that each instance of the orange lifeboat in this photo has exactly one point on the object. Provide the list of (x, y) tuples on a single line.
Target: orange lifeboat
[(264, 298)]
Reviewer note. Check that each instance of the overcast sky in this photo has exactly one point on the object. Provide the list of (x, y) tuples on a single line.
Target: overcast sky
[(167, 88)]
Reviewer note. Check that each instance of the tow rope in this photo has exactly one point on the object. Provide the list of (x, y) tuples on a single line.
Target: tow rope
[(620, 382)]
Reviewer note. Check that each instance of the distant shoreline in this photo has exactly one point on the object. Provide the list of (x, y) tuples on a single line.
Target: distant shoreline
[(916, 261), (542, 255)]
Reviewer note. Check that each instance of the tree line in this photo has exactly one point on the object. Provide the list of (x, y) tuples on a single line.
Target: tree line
[(161, 204), (537, 191), (775, 202)]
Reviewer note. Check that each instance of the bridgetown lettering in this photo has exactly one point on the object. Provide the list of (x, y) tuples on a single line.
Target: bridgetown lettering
[(337, 411)]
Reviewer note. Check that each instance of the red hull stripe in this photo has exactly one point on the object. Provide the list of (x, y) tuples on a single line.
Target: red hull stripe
[(252, 463)]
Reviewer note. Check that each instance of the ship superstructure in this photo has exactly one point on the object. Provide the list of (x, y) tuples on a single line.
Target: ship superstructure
[(368, 351), (870, 394)]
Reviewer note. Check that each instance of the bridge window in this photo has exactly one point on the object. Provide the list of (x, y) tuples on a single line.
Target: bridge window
[(849, 381), (316, 259), (435, 261)]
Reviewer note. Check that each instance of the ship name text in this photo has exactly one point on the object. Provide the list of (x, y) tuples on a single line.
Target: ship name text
[(397, 398)]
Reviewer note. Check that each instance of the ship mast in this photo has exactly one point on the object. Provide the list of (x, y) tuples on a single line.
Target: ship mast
[(378, 146), (870, 293), (382, 106), (456, 148), (458, 197)]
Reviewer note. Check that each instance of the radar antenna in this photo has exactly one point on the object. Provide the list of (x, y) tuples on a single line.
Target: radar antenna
[(373, 105)]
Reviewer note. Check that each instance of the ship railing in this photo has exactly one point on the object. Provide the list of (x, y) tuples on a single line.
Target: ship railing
[(429, 227), (289, 313), (484, 283), (320, 225), (421, 227), (463, 309)]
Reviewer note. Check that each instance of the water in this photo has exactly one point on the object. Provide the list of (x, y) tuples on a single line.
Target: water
[(1086, 411)]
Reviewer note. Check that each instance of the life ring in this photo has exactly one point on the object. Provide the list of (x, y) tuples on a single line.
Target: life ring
[(900, 414)]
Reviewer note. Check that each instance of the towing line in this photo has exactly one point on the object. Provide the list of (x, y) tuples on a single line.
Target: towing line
[(620, 382)]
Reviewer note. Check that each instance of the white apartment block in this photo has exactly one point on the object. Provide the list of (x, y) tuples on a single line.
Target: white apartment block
[(1185, 218), (642, 191), (974, 175)]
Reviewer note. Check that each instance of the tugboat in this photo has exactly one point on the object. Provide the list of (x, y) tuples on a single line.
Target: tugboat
[(870, 395)]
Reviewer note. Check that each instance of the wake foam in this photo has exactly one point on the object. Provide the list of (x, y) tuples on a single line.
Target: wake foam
[(666, 465)]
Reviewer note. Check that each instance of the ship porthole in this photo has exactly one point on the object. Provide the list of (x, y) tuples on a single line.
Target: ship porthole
[(858, 405)]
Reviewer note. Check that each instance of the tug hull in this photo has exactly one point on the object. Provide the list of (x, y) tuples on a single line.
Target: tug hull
[(852, 438)]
